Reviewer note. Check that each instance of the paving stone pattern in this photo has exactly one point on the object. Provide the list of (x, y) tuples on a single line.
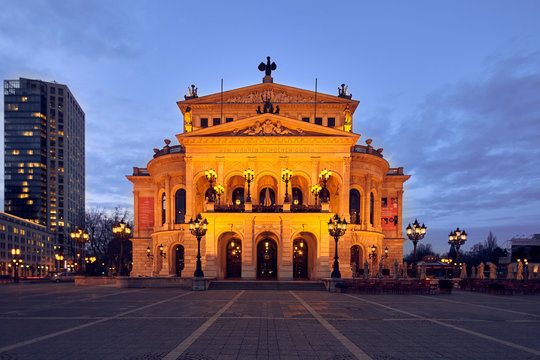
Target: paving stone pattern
[(61, 321)]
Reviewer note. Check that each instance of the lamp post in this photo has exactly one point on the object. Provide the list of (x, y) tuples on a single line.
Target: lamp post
[(286, 176), (17, 261), (219, 190), (80, 237), (198, 229), (249, 175), (122, 232), (315, 190), (211, 176), (324, 176), (372, 257), (415, 233), (161, 252), (456, 239), (336, 228)]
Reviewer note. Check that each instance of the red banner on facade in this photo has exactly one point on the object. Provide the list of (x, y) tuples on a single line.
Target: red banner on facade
[(389, 214), (146, 213)]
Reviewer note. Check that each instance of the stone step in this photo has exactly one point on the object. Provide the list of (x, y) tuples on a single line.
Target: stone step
[(267, 285)]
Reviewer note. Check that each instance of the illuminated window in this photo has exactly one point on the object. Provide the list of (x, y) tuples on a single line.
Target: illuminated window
[(15, 152), (30, 152), (29, 202), (16, 230), (24, 189), (12, 107), (20, 171), (28, 133)]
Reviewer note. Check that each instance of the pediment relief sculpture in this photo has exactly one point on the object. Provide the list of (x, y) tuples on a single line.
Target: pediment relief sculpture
[(267, 128), (275, 96)]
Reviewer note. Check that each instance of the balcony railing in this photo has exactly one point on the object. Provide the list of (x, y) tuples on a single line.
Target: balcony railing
[(229, 208), (267, 209), (305, 208)]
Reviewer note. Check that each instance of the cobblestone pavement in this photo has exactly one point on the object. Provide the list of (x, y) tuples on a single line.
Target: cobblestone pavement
[(61, 321)]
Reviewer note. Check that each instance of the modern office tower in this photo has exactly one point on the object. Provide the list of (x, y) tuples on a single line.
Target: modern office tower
[(44, 154)]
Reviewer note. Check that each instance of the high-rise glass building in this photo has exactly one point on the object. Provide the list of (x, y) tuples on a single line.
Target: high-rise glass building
[(44, 132)]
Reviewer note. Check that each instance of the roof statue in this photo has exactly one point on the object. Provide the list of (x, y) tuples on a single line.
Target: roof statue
[(342, 92), (268, 107), (192, 93), (267, 68)]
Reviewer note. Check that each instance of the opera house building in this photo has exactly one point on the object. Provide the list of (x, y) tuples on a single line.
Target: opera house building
[(267, 166)]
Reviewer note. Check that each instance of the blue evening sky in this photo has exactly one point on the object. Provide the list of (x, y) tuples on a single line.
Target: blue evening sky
[(449, 89)]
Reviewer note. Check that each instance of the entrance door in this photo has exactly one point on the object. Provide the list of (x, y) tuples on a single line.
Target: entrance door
[(355, 261), (300, 259), (234, 259), (267, 260), (179, 259)]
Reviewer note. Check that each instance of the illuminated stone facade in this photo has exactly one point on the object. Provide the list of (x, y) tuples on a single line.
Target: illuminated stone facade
[(268, 238)]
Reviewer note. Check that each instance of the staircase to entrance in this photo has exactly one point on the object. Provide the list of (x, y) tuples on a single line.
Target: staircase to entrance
[(266, 285)]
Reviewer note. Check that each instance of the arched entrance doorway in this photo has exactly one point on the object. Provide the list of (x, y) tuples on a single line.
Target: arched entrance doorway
[(234, 259), (356, 261), (179, 259), (300, 259), (267, 260)]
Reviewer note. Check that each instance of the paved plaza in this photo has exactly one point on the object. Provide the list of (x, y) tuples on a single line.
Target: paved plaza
[(62, 321)]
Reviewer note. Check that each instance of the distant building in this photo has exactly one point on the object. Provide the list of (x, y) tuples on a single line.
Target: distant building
[(36, 243), (526, 248), (44, 136)]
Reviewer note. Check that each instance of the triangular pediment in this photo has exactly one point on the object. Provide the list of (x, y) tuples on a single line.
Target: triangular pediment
[(277, 93), (269, 125)]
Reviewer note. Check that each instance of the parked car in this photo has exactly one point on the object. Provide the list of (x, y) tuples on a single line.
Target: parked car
[(64, 277)]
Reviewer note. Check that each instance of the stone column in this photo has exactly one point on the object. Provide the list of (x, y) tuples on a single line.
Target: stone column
[(248, 252), (190, 190), (136, 214), (325, 260), (210, 250), (314, 177), (157, 206), (365, 202), (285, 248), (400, 214), (344, 196), (168, 202)]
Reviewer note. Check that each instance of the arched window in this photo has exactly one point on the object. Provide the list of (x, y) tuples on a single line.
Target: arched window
[(297, 195), (180, 206), (354, 206), (267, 193), (371, 208), (163, 209), (238, 194)]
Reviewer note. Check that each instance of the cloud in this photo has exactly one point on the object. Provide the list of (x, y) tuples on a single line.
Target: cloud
[(473, 147)]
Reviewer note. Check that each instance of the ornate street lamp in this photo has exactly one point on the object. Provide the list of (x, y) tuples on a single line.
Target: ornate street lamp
[(249, 175), (286, 176), (415, 233), (372, 253), (219, 190), (17, 261), (315, 190), (149, 253), (211, 176), (161, 252), (336, 228), (122, 232), (198, 229), (324, 176), (80, 237), (456, 239)]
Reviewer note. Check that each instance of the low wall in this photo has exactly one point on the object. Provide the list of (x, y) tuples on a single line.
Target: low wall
[(153, 282), (94, 280)]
